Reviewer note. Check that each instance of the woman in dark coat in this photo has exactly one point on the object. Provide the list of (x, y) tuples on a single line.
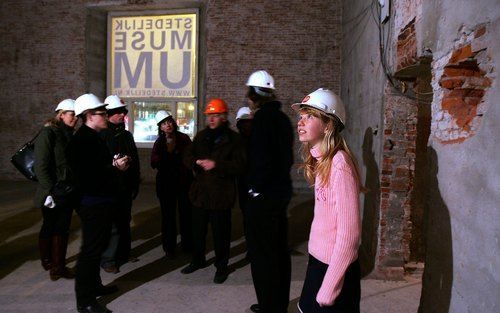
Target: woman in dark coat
[(172, 183), (54, 182)]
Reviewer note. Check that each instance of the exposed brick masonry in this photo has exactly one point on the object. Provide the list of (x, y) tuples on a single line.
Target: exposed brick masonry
[(466, 77)]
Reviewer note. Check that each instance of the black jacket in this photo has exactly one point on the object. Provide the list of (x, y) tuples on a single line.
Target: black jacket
[(271, 152), (216, 189), (172, 173), (92, 164), (119, 140), (51, 165)]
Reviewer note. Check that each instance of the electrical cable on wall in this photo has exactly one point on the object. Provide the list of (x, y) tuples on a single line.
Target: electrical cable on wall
[(383, 43)]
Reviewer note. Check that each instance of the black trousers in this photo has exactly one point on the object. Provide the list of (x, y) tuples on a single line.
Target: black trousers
[(220, 221), (243, 198), (118, 249), (56, 221), (122, 219), (267, 242), (348, 299), (96, 230), (171, 201)]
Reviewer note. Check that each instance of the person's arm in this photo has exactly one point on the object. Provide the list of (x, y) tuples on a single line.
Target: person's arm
[(44, 151), (135, 168), (72, 154), (188, 155), (345, 188), (155, 154), (260, 153)]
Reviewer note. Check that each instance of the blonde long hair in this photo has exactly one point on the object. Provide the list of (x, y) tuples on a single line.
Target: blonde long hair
[(331, 143), (56, 120)]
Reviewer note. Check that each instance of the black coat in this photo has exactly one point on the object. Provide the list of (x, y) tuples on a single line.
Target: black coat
[(271, 152), (216, 189), (92, 164), (51, 165), (172, 173), (119, 140)]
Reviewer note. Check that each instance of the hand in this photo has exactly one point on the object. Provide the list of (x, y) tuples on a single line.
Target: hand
[(206, 164), (49, 202), (122, 164), (323, 303)]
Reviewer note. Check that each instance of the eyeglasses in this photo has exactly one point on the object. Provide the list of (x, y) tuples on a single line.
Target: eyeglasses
[(100, 113), (118, 111)]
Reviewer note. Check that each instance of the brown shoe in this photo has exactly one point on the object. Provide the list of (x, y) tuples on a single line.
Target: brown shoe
[(65, 272), (45, 252), (59, 269)]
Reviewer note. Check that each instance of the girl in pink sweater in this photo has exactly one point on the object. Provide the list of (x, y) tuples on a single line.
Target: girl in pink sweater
[(332, 282)]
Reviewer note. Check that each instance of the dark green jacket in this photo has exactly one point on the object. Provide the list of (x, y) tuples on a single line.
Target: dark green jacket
[(51, 165), (216, 189)]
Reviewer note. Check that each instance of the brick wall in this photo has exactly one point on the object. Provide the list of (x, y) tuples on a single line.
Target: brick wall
[(463, 77), (398, 171), (43, 57), (41, 63), (406, 46), (399, 150)]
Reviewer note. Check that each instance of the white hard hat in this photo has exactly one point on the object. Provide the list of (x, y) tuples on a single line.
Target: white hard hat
[(161, 115), (261, 79), (244, 113), (86, 102), (66, 105), (114, 102), (324, 100)]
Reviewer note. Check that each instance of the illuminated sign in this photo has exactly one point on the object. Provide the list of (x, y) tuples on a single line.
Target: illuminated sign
[(153, 56)]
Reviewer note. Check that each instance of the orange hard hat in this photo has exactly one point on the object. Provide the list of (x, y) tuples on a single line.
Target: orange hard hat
[(216, 106)]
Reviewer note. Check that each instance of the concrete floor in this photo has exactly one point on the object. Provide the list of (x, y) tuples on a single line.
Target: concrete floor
[(154, 284)]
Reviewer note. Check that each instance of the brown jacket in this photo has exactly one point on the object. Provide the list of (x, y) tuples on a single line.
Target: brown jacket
[(216, 189)]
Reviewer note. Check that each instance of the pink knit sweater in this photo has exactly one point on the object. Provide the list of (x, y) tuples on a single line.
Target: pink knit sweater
[(336, 227)]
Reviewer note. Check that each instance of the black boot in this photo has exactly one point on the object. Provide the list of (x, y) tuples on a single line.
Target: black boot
[(45, 252), (102, 290), (192, 267), (59, 269), (221, 275)]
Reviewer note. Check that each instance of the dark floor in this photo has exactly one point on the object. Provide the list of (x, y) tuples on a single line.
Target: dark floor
[(154, 284)]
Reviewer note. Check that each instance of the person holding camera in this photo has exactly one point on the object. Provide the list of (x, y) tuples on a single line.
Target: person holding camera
[(97, 174), (121, 142), (53, 194)]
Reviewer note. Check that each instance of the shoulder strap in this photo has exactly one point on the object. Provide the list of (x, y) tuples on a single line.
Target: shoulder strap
[(38, 133)]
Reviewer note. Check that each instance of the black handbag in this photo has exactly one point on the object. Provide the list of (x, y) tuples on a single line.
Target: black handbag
[(24, 159)]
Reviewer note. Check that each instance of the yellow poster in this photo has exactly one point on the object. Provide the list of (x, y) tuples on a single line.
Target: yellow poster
[(152, 56)]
